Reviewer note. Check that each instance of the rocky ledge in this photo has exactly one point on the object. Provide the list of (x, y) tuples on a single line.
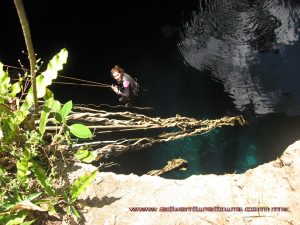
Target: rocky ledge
[(267, 194)]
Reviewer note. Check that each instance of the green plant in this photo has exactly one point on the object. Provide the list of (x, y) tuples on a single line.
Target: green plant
[(27, 170), (78, 186), (78, 130)]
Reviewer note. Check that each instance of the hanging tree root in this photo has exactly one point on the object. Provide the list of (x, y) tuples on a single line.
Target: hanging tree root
[(172, 165), (192, 128), (101, 122)]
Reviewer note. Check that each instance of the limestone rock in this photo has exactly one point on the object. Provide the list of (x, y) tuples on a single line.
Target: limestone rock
[(270, 191)]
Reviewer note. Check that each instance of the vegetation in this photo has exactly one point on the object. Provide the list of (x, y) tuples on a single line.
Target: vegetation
[(28, 174)]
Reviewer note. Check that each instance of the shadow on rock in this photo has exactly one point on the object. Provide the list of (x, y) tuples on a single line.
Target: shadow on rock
[(98, 203)]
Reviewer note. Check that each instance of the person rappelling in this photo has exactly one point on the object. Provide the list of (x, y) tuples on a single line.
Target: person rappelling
[(126, 87)]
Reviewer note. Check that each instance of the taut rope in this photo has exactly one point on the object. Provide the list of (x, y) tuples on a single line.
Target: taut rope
[(85, 82)]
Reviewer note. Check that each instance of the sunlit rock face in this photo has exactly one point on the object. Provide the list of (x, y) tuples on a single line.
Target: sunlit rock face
[(238, 41), (267, 194)]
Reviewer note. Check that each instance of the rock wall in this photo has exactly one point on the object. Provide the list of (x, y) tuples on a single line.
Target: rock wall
[(267, 194)]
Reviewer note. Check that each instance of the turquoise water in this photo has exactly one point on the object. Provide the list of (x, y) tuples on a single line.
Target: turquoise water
[(224, 150)]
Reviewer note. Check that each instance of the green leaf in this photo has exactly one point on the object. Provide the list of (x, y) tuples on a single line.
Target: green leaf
[(13, 219), (40, 174), (33, 196), (16, 196), (20, 116), (80, 131), (66, 198), (52, 212), (23, 172), (66, 109), (58, 117), (56, 106), (80, 184), (3, 172), (15, 89), (45, 79), (9, 129), (86, 155), (49, 94), (4, 83), (75, 212), (40, 86), (45, 114)]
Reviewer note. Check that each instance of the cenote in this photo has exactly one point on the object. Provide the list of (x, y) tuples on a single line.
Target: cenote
[(200, 59)]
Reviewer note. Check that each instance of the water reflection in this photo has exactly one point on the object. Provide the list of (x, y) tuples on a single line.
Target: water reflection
[(245, 45)]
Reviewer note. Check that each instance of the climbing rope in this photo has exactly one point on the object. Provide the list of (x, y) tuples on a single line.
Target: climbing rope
[(92, 83), (85, 82)]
